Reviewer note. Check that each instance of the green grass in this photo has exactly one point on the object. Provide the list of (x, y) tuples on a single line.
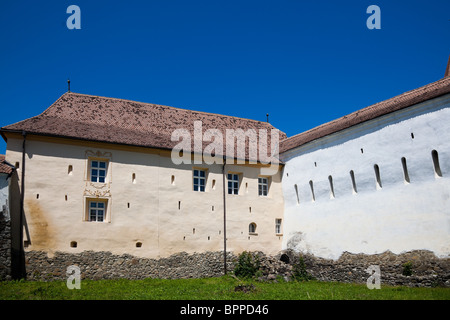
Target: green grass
[(222, 288)]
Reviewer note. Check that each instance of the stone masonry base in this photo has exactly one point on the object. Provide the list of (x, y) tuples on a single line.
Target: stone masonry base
[(424, 269)]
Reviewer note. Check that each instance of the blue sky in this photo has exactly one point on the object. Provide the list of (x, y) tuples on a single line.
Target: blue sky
[(303, 62)]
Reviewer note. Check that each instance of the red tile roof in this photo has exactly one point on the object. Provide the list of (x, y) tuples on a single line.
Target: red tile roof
[(399, 102), (4, 166), (119, 121)]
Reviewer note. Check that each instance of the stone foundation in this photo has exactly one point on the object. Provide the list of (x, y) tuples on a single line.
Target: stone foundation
[(426, 269), (5, 247), (105, 265)]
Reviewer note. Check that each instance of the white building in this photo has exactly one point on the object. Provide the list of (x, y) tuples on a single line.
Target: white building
[(375, 180)]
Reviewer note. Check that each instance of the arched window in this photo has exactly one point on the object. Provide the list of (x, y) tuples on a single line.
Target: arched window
[(252, 228), (437, 167)]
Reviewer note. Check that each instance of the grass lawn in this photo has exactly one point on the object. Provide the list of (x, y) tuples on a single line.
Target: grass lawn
[(222, 288)]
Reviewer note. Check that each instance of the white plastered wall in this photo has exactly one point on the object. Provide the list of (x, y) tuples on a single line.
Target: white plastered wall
[(154, 209), (399, 216)]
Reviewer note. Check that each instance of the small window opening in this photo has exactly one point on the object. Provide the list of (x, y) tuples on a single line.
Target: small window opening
[(311, 185), (209, 237), (296, 193), (213, 186), (330, 179), (252, 227), (69, 170), (133, 178), (138, 244), (250, 209), (352, 176), (315, 164), (412, 135), (37, 196), (377, 176), (212, 208), (73, 244), (405, 171), (179, 205), (437, 167), (278, 226), (65, 197), (193, 230), (362, 150), (128, 205), (172, 180)]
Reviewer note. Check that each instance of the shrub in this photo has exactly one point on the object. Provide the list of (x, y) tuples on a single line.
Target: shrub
[(299, 271), (247, 265), (407, 269)]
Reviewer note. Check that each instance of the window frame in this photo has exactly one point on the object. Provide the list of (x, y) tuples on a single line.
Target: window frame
[(99, 169), (262, 184), (103, 208), (197, 187), (235, 183), (252, 228), (278, 226)]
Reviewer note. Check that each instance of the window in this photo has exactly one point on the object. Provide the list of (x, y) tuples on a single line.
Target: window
[(199, 180), (252, 228), (233, 183), (296, 193), (263, 186), (278, 226), (97, 211), (98, 171)]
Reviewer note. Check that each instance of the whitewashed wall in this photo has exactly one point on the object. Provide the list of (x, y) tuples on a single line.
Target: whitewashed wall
[(399, 216), (4, 190)]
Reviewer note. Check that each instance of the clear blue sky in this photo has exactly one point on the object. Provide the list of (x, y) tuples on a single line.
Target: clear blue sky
[(303, 62)]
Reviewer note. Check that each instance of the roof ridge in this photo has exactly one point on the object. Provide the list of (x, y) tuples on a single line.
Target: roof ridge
[(172, 107)]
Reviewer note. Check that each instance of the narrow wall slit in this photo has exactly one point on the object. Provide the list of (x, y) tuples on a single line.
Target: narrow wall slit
[(330, 180), (377, 176), (311, 185), (296, 193), (437, 167), (352, 177), (405, 170)]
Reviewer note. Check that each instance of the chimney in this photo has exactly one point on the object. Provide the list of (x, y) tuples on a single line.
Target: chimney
[(447, 71)]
